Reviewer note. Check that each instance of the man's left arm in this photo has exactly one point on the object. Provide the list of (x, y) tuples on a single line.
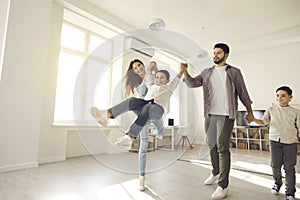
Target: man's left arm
[(244, 95), (298, 124), (249, 117)]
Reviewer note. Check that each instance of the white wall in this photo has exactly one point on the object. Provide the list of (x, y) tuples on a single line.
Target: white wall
[(4, 10), (21, 87), (52, 139), (266, 69)]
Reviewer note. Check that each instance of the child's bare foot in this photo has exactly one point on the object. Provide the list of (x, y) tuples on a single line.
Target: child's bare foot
[(100, 116)]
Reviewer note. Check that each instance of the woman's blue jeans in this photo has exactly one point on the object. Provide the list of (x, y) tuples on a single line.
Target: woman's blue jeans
[(147, 112), (144, 143)]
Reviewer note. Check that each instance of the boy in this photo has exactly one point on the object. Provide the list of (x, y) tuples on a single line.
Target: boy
[(284, 123)]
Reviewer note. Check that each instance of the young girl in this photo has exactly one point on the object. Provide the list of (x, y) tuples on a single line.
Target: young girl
[(284, 122), (152, 107)]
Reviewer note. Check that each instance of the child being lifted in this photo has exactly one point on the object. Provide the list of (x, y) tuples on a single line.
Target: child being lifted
[(155, 104)]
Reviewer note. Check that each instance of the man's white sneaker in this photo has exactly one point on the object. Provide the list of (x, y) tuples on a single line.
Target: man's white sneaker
[(220, 193), (211, 179), (142, 183), (100, 116), (290, 197), (124, 142)]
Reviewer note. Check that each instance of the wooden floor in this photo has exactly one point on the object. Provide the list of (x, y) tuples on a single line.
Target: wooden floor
[(91, 178)]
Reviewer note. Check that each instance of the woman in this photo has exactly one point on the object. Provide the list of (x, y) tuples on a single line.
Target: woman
[(134, 78), (135, 85), (144, 109)]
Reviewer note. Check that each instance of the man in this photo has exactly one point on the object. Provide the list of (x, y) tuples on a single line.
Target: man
[(222, 84)]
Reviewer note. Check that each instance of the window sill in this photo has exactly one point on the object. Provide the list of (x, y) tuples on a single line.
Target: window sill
[(82, 126)]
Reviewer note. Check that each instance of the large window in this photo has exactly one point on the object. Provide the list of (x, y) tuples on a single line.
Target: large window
[(80, 63), (87, 73)]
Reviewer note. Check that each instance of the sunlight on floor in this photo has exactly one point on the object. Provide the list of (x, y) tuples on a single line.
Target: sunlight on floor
[(67, 196), (251, 177), (125, 190), (262, 168)]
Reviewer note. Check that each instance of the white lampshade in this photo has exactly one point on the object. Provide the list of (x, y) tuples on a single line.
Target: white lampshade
[(157, 24)]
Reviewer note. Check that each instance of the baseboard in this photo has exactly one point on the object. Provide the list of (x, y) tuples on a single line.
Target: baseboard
[(19, 166), (52, 159)]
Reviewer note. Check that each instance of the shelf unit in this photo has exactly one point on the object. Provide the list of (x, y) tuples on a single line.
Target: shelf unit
[(152, 144), (244, 137), (169, 136)]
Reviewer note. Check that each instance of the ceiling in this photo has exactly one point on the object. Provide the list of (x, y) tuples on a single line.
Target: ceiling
[(244, 25)]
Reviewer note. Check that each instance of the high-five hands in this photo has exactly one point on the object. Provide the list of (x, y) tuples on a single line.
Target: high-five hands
[(183, 67)]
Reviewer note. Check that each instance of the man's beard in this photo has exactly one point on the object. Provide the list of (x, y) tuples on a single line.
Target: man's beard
[(219, 61)]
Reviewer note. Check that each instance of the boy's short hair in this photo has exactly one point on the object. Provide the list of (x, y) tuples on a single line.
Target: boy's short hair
[(165, 72), (222, 46), (285, 88)]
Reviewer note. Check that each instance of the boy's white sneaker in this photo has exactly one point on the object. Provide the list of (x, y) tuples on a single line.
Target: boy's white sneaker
[(100, 116), (275, 189), (142, 183), (124, 142), (220, 193), (211, 179)]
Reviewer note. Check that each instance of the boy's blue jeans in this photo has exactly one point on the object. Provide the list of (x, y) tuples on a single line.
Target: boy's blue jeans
[(284, 155)]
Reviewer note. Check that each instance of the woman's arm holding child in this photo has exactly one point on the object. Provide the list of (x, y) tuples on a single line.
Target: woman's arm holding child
[(151, 71)]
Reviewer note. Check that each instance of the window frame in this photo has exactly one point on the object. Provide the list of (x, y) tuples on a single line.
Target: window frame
[(85, 55)]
